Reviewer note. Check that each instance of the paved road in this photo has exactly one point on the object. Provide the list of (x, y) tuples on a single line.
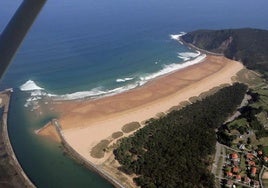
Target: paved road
[(216, 158)]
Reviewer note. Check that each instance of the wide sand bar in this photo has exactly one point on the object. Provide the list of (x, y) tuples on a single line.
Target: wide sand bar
[(86, 123)]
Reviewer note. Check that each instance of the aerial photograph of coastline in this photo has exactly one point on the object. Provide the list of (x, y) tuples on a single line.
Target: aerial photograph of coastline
[(133, 94)]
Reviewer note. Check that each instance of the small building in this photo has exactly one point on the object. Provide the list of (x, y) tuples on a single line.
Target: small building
[(251, 163), (256, 184), (234, 157), (236, 163), (253, 171), (229, 183), (247, 180), (260, 153), (235, 170), (229, 174), (250, 156), (242, 147), (238, 178)]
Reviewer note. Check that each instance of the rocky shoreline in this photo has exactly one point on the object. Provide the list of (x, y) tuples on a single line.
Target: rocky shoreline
[(14, 175)]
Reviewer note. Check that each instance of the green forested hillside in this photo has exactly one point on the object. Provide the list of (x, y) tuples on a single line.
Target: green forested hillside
[(175, 150), (250, 46)]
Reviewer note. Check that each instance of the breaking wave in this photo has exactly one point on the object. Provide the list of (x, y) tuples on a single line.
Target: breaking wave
[(177, 37), (30, 86), (123, 79), (37, 93), (173, 67), (185, 56)]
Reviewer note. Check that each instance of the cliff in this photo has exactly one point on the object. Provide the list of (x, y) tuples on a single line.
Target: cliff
[(250, 46)]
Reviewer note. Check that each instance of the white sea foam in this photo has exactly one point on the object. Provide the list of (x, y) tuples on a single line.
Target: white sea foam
[(78, 95), (123, 79), (33, 99), (122, 89), (30, 86), (185, 56), (37, 93), (173, 67), (94, 93), (177, 37)]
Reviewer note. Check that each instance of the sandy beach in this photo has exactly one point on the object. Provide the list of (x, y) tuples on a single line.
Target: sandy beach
[(86, 123)]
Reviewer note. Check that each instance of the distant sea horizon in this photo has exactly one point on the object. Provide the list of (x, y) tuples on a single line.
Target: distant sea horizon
[(97, 48)]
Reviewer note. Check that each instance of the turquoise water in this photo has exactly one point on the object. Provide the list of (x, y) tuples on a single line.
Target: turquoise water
[(95, 48), (42, 159)]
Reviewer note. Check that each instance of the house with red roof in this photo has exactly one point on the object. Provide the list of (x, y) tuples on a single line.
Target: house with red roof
[(229, 174), (234, 157), (250, 156), (251, 163), (265, 159), (253, 171), (235, 170), (238, 177)]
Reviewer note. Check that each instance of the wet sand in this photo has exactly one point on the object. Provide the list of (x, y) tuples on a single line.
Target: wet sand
[(85, 123)]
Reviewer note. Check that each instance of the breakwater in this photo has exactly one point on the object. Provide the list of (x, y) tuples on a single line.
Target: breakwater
[(21, 178), (80, 159)]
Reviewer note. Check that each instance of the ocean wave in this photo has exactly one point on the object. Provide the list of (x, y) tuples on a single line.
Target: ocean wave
[(95, 93), (173, 67), (177, 37), (78, 95), (37, 92), (30, 86), (124, 79), (185, 56)]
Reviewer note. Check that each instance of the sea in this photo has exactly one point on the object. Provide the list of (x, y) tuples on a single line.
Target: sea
[(91, 49)]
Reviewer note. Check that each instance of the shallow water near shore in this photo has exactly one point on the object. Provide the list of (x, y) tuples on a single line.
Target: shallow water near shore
[(99, 46), (43, 160)]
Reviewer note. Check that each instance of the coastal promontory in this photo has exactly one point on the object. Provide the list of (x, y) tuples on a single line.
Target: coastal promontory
[(247, 45)]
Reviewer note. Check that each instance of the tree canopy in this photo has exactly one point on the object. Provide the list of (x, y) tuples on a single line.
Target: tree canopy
[(250, 46), (175, 150)]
